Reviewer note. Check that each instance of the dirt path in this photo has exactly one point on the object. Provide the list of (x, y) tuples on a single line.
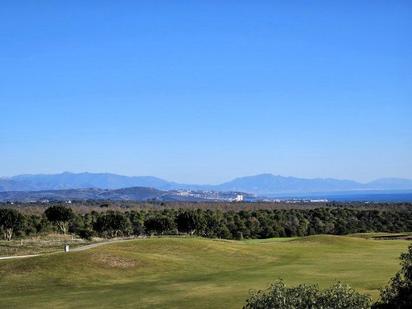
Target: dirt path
[(98, 244), (17, 256), (81, 248)]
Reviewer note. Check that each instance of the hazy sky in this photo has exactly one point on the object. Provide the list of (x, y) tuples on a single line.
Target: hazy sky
[(203, 91)]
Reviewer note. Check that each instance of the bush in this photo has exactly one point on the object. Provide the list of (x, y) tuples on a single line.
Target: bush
[(11, 222), (60, 216), (112, 224), (160, 224), (86, 234), (279, 296)]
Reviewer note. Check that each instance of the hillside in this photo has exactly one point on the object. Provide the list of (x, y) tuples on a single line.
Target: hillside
[(263, 184), (271, 184), (192, 272), (136, 193), (124, 194), (68, 180)]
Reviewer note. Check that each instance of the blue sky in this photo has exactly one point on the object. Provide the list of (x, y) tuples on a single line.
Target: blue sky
[(204, 91)]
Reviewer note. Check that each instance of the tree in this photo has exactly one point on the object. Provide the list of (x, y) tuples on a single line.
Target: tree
[(85, 233), (160, 224), (279, 296), (189, 221), (60, 216), (137, 222), (10, 222), (398, 294), (112, 224)]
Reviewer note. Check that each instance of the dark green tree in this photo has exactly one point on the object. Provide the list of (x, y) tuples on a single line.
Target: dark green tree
[(137, 222), (190, 221), (113, 224), (11, 221), (160, 224), (60, 216)]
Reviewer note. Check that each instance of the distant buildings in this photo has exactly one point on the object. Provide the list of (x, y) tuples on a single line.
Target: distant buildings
[(212, 195), (238, 198)]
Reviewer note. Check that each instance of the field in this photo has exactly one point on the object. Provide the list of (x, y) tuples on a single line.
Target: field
[(193, 272)]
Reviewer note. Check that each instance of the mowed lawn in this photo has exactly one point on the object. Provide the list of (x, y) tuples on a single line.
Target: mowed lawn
[(193, 272)]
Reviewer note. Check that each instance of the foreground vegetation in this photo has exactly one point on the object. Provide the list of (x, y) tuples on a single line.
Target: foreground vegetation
[(304, 296), (187, 272)]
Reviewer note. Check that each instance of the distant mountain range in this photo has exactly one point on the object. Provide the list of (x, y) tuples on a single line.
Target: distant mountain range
[(124, 194), (263, 184)]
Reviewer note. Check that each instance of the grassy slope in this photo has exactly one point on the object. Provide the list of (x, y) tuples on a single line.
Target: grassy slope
[(193, 272)]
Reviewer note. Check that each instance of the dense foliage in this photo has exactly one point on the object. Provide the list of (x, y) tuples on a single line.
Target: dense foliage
[(60, 216), (279, 296), (261, 223), (10, 222)]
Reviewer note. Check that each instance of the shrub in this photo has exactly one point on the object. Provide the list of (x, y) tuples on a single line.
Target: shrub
[(11, 221), (279, 296), (160, 224), (86, 234), (60, 216), (112, 224)]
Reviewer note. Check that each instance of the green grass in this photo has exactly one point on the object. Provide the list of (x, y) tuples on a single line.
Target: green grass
[(193, 272)]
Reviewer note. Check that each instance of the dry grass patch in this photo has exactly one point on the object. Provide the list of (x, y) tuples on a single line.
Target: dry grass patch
[(113, 261)]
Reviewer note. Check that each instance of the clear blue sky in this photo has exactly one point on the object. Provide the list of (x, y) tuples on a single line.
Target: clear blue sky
[(203, 91)]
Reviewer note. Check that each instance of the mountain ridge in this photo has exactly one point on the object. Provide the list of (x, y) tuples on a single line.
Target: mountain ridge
[(123, 194), (261, 184)]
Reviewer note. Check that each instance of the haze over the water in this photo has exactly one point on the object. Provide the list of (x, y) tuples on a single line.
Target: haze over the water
[(202, 92)]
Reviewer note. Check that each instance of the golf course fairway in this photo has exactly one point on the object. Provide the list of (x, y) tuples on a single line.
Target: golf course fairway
[(179, 272)]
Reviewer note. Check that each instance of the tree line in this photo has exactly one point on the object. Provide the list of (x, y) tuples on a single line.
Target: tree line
[(261, 223)]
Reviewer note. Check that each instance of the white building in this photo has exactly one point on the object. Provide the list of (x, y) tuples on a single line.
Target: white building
[(238, 198)]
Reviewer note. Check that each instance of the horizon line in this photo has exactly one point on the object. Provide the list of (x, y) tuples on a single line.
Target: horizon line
[(231, 179)]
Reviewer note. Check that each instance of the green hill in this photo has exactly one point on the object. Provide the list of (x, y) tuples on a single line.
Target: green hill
[(192, 272)]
